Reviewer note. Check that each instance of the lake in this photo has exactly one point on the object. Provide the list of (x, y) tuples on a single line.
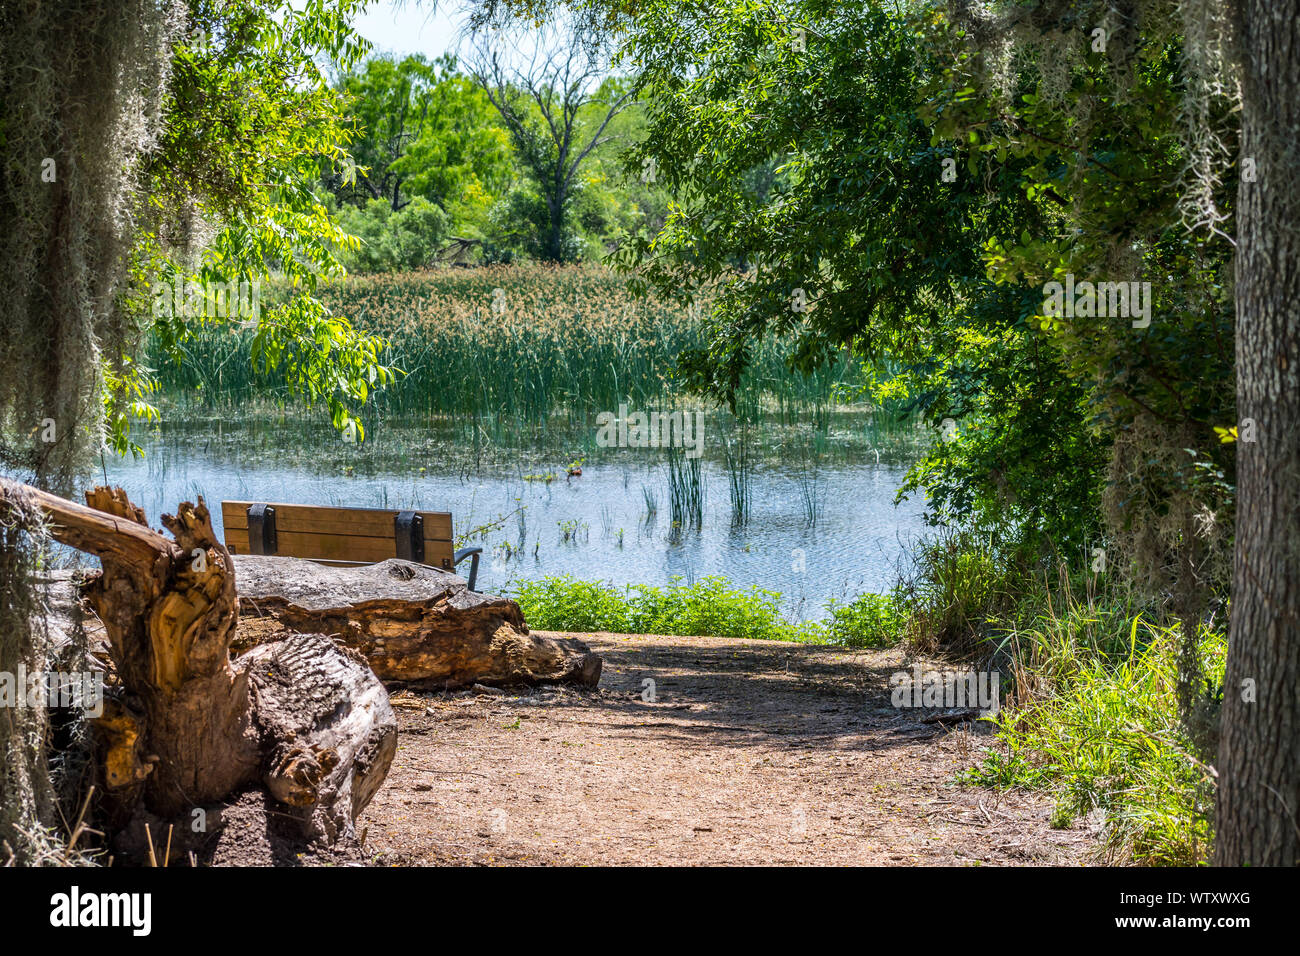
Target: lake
[(612, 523)]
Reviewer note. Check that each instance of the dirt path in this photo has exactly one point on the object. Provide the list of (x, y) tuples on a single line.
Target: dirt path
[(754, 752)]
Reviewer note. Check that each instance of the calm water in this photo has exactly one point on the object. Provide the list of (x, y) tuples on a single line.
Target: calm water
[(597, 526)]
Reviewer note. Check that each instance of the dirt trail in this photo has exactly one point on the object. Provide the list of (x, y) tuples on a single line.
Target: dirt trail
[(754, 752)]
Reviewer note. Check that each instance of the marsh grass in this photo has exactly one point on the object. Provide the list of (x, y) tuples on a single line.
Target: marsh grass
[(651, 503), (560, 341), (485, 387), (739, 463), (1090, 713), (812, 484), (685, 489)]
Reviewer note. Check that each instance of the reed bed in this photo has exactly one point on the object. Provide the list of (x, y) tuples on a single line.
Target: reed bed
[(522, 344)]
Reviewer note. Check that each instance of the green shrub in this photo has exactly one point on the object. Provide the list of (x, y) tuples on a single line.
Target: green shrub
[(707, 608), (565, 604), (518, 225), (394, 241), (869, 620), (710, 607), (1097, 726)]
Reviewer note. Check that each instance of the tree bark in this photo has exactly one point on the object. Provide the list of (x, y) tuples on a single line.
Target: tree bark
[(413, 623), (329, 731), (302, 717), (1258, 802), (169, 609)]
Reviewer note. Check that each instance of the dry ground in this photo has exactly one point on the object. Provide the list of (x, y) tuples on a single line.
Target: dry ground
[(754, 752)]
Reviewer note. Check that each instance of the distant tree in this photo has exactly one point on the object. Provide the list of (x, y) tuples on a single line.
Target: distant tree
[(394, 241), (390, 104), (424, 129), (617, 200), (556, 111)]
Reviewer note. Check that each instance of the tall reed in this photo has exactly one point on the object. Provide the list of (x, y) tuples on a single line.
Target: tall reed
[(737, 455), (505, 346), (685, 489)]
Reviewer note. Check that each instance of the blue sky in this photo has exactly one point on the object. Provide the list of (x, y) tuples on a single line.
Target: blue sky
[(403, 28)]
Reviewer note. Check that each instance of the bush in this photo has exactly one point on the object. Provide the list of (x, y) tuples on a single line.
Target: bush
[(394, 241), (708, 608), (869, 620), (517, 227), (565, 604)]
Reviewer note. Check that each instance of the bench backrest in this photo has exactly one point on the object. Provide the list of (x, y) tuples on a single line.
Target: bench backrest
[(338, 535)]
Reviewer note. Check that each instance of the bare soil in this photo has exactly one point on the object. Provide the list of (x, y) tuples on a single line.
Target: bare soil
[(751, 752)]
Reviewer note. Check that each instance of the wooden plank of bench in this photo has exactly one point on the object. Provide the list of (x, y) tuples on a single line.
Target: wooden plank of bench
[(364, 522), (297, 544), (332, 563), (352, 549), (331, 535)]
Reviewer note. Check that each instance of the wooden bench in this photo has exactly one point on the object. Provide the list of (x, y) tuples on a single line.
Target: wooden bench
[(343, 536)]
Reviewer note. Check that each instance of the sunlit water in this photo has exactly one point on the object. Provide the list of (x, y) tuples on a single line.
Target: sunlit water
[(859, 542)]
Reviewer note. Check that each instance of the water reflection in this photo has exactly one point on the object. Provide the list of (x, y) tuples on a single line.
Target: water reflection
[(534, 520)]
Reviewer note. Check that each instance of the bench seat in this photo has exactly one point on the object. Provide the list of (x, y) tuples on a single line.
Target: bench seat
[(344, 536)]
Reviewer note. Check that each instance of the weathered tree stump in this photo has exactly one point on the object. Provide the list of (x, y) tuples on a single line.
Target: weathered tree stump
[(302, 718), (412, 622)]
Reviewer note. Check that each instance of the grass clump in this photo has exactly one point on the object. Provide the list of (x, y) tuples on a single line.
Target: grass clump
[(1096, 725), (961, 588), (706, 608), (1090, 714)]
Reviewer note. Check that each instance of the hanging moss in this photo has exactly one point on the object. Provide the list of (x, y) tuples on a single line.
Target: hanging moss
[(81, 85), (26, 793)]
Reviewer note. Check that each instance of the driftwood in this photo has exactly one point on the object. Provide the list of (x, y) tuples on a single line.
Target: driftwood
[(187, 727), (412, 622)]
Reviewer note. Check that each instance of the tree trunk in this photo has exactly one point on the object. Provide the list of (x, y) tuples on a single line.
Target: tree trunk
[(555, 211), (413, 623), (170, 611), (302, 718), (329, 731), (1258, 816)]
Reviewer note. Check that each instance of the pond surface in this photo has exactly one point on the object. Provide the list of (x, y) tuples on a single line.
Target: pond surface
[(596, 526)]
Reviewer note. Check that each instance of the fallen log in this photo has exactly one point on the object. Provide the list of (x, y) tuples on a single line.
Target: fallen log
[(413, 623), (187, 727), (328, 731)]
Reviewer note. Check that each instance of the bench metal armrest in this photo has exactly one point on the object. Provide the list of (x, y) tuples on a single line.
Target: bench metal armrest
[(464, 553)]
